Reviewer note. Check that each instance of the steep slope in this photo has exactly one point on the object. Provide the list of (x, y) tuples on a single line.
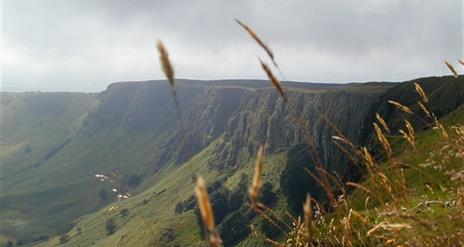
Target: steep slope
[(35, 127), (132, 129)]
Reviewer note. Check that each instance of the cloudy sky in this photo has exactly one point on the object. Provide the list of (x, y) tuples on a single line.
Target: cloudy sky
[(83, 45)]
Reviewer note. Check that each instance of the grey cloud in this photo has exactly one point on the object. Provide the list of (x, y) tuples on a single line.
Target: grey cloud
[(85, 45)]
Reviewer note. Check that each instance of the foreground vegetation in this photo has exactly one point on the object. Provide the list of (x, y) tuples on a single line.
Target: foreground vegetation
[(415, 197)]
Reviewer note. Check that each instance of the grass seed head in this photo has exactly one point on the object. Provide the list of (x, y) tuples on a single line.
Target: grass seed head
[(452, 69), (400, 106), (424, 109), (461, 61), (383, 140), (206, 210), (308, 217), (258, 40), (257, 183), (382, 122), (273, 79), (421, 92), (166, 65), (389, 227)]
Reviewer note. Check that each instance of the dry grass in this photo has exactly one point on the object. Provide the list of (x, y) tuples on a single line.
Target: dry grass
[(452, 69), (257, 183), (461, 61), (421, 93), (166, 65), (385, 143), (273, 79), (401, 107), (382, 122), (206, 212), (390, 221), (168, 70), (308, 217), (258, 40), (387, 224)]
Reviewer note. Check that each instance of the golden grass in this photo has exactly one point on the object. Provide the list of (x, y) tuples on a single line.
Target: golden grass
[(166, 65), (394, 184), (168, 70), (382, 122), (206, 212), (400, 106), (461, 61), (273, 79), (258, 40), (421, 92), (257, 183), (308, 217), (452, 69), (424, 109), (382, 183), (383, 140)]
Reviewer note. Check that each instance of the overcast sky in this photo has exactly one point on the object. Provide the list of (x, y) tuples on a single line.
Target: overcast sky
[(83, 45)]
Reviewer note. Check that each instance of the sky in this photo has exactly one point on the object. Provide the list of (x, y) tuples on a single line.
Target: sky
[(84, 45)]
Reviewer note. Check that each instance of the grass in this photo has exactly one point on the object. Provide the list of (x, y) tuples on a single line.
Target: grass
[(125, 151), (174, 184), (43, 200), (424, 208)]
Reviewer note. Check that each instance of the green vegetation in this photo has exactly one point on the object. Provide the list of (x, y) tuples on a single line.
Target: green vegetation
[(51, 153), (110, 226), (295, 182), (409, 199)]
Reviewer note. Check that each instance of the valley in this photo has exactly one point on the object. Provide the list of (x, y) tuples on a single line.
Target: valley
[(53, 144)]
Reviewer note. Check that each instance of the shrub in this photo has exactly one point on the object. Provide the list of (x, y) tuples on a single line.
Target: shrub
[(110, 226), (179, 207), (218, 196), (294, 181), (234, 228), (239, 195), (64, 238), (185, 205), (168, 235), (268, 197), (124, 212)]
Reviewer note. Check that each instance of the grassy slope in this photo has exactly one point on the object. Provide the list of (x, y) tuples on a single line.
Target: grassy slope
[(42, 124), (152, 212), (428, 185), (159, 211), (174, 185), (42, 199), (28, 119)]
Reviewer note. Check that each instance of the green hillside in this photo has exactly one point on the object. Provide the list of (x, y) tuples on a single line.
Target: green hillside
[(54, 144)]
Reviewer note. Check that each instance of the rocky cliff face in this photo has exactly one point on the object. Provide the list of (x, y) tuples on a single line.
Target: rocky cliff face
[(242, 116), (445, 95)]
